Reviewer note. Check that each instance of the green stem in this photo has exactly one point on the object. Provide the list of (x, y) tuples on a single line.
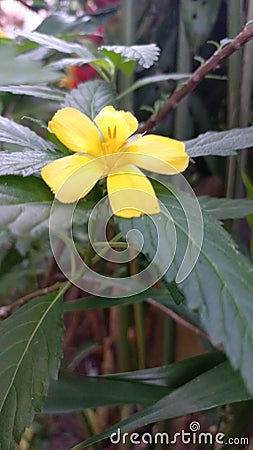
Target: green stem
[(181, 125), (88, 421), (245, 94), (234, 81), (103, 252), (128, 8), (139, 321)]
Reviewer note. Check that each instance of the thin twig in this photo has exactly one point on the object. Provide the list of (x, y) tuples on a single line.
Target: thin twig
[(211, 64), (6, 311), (180, 320)]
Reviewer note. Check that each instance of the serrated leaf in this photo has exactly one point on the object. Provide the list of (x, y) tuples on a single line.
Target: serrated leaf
[(219, 288), (214, 387), (220, 143), (30, 356), (136, 387), (22, 136), (36, 90), (31, 152), (145, 55), (226, 208), (25, 207), (27, 162), (91, 97)]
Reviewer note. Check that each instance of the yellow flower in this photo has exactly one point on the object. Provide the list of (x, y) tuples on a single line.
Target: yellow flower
[(106, 147)]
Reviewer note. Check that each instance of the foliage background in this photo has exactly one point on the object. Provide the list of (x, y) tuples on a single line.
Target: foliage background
[(171, 338)]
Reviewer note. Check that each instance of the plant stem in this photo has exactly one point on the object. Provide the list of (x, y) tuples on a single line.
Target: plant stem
[(234, 81), (139, 322), (246, 91), (6, 311), (88, 421), (128, 8), (181, 125)]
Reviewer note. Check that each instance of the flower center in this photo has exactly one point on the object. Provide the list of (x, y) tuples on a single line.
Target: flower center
[(112, 143)]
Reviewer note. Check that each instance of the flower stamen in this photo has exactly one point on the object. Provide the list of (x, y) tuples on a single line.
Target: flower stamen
[(110, 134)]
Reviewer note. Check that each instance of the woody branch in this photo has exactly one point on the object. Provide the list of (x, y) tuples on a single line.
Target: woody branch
[(211, 64)]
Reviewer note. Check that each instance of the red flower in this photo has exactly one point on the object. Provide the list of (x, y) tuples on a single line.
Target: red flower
[(76, 75)]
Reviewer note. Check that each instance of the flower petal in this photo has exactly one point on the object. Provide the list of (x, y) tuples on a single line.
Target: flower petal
[(75, 130), (161, 154), (115, 126), (72, 177), (130, 193)]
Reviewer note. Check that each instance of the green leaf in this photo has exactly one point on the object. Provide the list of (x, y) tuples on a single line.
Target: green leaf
[(14, 133), (219, 288), (25, 163), (145, 55), (20, 69), (31, 152), (215, 387), (91, 302), (25, 207), (91, 97), (176, 374), (172, 298), (65, 62), (76, 394), (14, 190), (225, 208), (221, 143), (138, 387), (36, 90), (30, 355), (54, 43)]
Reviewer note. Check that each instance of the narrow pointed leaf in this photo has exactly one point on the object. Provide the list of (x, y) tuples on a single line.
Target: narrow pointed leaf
[(215, 387), (142, 386)]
